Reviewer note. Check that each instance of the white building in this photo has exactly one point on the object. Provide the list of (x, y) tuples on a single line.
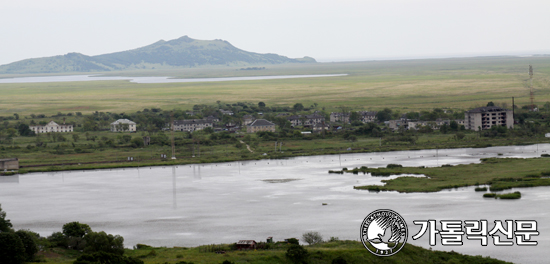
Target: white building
[(122, 125), (52, 127), (192, 124)]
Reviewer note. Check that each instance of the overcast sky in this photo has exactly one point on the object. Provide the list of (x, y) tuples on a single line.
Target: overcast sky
[(325, 30)]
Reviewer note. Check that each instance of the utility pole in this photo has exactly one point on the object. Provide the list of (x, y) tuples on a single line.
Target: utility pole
[(172, 134), (531, 96)]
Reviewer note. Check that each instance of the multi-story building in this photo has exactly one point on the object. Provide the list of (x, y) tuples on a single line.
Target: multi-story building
[(339, 117), (306, 120), (122, 125), (486, 117), (192, 124), (260, 125), (367, 117), (52, 127)]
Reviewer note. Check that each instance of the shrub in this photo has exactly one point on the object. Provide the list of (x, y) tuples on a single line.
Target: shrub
[(13, 250), (293, 241), (57, 239), (392, 166), (312, 238), (339, 260), (514, 195), (28, 243), (100, 241), (489, 195), (481, 189), (296, 254), (76, 229)]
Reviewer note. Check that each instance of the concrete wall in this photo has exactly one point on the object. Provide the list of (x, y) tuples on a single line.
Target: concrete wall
[(9, 164)]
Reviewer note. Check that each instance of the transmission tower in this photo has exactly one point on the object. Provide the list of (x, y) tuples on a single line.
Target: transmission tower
[(531, 96), (172, 135)]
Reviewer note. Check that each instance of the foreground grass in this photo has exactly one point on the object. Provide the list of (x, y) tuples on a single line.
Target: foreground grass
[(351, 251), (499, 173)]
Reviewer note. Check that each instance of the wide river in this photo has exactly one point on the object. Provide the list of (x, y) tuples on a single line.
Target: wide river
[(191, 205), (87, 78)]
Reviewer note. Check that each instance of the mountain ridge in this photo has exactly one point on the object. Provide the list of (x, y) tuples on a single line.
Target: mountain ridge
[(183, 52)]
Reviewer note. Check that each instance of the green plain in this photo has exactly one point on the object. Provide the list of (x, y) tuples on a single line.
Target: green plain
[(461, 83)]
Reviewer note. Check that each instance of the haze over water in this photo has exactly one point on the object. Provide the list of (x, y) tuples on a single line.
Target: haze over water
[(192, 205)]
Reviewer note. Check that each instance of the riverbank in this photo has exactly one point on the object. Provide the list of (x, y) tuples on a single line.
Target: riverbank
[(110, 158)]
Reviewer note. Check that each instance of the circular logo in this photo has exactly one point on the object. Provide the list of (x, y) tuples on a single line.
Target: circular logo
[(384, 232)]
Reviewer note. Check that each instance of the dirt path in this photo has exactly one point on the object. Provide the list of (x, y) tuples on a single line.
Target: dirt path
[(247, 146)]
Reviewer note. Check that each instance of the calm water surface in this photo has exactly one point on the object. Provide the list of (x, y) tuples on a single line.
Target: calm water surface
[(225, 202), (87, 78)]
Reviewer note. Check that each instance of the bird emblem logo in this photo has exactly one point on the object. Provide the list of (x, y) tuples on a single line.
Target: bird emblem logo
[(384, 232)]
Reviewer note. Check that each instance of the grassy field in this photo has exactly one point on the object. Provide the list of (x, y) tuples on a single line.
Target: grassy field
[(413, 84), (500, 174), (350, 251)]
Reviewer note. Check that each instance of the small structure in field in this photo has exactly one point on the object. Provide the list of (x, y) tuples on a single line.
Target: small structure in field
[(246, 245), (9, 164)]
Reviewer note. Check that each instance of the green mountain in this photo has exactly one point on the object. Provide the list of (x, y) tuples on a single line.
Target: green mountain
[(182, 52)]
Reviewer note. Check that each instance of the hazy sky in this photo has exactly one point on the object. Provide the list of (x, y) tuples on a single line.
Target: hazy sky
[(325, 30)]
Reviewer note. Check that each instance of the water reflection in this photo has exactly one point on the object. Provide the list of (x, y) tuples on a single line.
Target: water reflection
[(174, 203), (9, 179)]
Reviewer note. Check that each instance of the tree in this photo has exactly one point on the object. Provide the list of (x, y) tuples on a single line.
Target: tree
[(16, 116), (5, 224), (76, 229), (444, 129), (261, 104), (13, 250), (27, 238), (312, 238), (75, 137), (454, 125), (24, 130), (490, 103), (384, 115), (103, 242), (137, 142), (296, 254), (298, 107)]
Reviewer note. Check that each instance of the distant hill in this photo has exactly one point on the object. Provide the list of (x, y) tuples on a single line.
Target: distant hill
[(182, 52)]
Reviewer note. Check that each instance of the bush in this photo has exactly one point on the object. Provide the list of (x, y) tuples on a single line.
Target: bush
[(312, 238), (293, 241), (339, 260), (136, 142), (102, 242), (28, 243), (13, 250), (296, 254), (76, 229), (481, 189), (489, 195), (392, 166), (57, 239), (514, 195)]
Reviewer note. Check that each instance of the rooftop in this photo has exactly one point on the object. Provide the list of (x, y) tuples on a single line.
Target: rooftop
[(123, 121), (486, 109), (261, 122)]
